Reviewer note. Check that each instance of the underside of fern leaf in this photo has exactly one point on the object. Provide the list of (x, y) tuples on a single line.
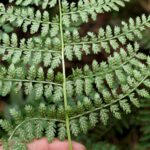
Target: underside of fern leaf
[(69, 103)]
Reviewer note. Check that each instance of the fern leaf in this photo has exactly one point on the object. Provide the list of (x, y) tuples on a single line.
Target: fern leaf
[(107, 37), (40, 66)]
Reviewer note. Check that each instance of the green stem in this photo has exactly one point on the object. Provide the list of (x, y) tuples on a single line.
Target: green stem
[(64, 79)]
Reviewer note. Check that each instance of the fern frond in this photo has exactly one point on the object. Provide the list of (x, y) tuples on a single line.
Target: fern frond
[(79, 100), (143, 117), (32, 127), (35, 49), (111, 102), (44, 4), (106, 39), (16, 78), (116, 62), (88, 8), (130, 84), (26, 16)]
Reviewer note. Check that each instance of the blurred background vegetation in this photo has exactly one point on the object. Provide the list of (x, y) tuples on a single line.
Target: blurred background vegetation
[(133, 131)]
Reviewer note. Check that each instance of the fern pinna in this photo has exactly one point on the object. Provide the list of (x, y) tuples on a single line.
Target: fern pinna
[(79, 100)]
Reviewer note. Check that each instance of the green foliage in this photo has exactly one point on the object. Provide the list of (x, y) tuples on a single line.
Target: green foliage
[(45, 3), (104, 146), (143, 118), (107, 39), (88, 95), (85, 8)]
